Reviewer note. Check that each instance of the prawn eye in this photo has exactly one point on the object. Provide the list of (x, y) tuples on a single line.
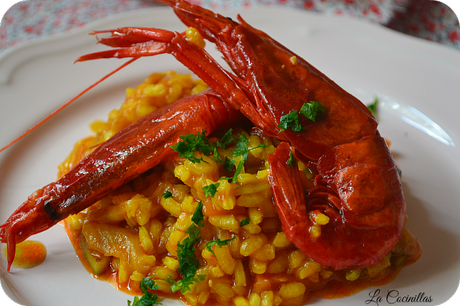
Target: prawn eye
[(48, 207)]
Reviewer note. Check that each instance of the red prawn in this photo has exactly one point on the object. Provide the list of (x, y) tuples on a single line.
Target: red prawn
[(357, 185)]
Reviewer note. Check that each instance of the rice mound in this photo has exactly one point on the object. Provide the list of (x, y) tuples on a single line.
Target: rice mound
[(134, 232)]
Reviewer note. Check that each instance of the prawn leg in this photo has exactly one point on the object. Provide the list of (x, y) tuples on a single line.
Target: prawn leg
[(139, 42), (365, 219)]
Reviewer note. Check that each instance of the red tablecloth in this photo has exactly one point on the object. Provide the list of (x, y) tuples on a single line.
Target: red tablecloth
[(35, 19)]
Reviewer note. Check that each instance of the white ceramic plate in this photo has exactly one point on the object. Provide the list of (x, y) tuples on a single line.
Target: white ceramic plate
[(417, 82)]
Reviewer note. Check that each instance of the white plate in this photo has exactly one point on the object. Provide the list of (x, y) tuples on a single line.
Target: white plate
[(416, 80)]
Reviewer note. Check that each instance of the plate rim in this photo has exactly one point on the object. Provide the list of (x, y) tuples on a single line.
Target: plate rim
[(416, 40)]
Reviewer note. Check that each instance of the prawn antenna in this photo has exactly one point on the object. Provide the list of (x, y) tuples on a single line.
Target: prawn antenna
[(67, 104)]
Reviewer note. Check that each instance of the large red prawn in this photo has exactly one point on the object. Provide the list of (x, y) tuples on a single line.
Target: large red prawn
[(357, 185)]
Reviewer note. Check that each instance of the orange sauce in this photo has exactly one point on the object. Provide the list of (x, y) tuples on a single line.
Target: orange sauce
[(336, 288), (29, 254)]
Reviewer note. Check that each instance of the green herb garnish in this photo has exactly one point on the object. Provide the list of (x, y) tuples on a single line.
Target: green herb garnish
[(291, 161), (228, 164), (167, 194), (199, 143), (210, 190), (149, 298), (241, 149), (198, 217), (223, 143), (312, 110), (186, 254), (245, 222), (226, 139), (238, 171), (291, 121), (193, 143), (188, 262), (373, 107), (217, 242), (184, 284)]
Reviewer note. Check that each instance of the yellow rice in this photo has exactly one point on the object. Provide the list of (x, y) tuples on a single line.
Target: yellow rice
[(133, 232)]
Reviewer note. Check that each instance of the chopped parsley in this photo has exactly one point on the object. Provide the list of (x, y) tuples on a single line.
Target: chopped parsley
[(186, 254), (217, 242), (238, 171), (226, 140), (188, 262), (241, 149), (149, 298), (187, 248), (200, 143), (223, 143), (311, 110), (210, 190), (198, 217), (228, 164), (291, 121), (373, 107), (193, 143), (291, 161), (245, 222), (184, 284)]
